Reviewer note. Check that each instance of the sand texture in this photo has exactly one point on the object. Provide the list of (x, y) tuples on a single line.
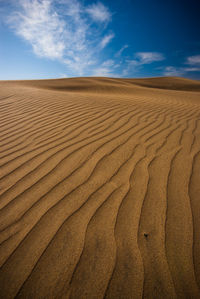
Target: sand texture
[(100, 188)]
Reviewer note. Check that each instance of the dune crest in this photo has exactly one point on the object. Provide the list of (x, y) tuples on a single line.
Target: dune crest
[(99, 188)]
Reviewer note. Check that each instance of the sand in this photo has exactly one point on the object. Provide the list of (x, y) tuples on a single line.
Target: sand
[(100, 188)]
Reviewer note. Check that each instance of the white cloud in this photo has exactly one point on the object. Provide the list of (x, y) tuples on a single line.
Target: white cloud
[(63, 76), (131, 66), (38, 24), (194, 66), (173, 71), (63, 30), (78, 65), (106, 39), (102, 71), (193, 60), (118, 54), (108, 63), (99, 12), (149, 57), (105, 72), (191, 69), (107, 68), (133, 62), (179, 71), (141, 58)]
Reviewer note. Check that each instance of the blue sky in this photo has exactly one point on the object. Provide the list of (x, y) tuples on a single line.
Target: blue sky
[(42, 39)]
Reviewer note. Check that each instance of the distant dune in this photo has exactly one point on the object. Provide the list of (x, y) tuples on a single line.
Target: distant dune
[(100, 188)]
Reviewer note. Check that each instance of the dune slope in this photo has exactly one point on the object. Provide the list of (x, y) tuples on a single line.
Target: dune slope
[(100, 188)]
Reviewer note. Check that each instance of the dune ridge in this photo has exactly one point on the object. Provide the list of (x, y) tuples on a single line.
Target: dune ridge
[(99, 188)]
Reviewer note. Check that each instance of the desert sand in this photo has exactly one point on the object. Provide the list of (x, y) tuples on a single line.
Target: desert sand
[(100, 188)]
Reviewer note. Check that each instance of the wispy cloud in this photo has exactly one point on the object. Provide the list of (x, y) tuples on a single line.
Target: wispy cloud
[(38, 24), (99, 12), (193, 63), (63, 76), (140, 59), (119, 53), (108, 68), (106, 40), (179, 71), (191, 69), (103, 72), (64, 30), (108, 63), (148, 57), (193, 60), (172, 71)]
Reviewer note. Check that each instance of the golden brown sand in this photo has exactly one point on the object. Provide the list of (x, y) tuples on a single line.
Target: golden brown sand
[(100, 188)]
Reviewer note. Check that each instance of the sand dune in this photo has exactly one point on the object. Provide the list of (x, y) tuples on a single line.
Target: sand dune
[(100, 188)]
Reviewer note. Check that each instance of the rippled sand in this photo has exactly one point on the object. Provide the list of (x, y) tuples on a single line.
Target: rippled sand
[(100, 188)]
